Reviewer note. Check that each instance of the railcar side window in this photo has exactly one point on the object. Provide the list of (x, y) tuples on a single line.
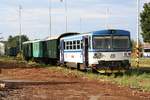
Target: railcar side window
[(74, 44), (70, 44), (78, 44), (67, 45)]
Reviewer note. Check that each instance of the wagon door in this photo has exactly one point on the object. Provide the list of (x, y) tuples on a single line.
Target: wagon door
[(85, 51), (62, 51)]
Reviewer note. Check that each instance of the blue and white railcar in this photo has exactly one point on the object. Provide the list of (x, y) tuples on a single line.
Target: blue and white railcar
[(104, 51)]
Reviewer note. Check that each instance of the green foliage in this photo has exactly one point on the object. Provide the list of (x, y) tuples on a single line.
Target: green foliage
[(20, 56), (145, 22), (14, 41)]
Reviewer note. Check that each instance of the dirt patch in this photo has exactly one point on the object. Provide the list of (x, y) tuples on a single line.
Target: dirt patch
[(47, 84)]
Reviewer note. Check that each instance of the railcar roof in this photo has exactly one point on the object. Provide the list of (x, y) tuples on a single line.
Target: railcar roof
[(111, 31)]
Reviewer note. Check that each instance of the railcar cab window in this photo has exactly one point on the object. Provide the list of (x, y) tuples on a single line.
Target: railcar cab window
[(121, 42), (102, 42), (111, 42), (146, 50)]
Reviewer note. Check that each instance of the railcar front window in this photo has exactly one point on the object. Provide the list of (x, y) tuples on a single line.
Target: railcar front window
[(121, 42), (102, 42), (146, 50)]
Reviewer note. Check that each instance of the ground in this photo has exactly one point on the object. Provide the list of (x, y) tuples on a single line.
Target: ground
[(48, 84)]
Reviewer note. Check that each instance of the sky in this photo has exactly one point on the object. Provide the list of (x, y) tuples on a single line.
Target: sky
[(82, 16)]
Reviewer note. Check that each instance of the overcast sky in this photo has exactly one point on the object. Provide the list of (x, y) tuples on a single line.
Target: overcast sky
[(83, 16)]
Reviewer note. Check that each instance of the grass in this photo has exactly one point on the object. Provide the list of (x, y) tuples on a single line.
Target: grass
[(143, 62), (135, 79), (6, 58)]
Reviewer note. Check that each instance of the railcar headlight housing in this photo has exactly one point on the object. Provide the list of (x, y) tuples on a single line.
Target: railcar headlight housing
[(112, 55), (98, 55), (127, 54)]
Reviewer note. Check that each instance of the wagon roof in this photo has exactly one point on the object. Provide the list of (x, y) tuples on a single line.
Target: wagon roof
[(27, 42), (32, 41)]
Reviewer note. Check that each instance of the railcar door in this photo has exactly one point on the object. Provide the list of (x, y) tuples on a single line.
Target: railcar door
[(62, 51), (85, 51)]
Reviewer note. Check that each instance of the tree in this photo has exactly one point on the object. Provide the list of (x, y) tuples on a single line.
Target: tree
[(14, 41), (145, 22), (12, 45)]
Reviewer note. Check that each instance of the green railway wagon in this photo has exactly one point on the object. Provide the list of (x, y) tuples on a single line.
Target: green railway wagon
[(38, 49), (52, 51), (27, 50)]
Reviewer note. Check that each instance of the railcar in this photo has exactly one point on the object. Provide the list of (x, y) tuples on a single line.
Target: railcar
[(106, 51)]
